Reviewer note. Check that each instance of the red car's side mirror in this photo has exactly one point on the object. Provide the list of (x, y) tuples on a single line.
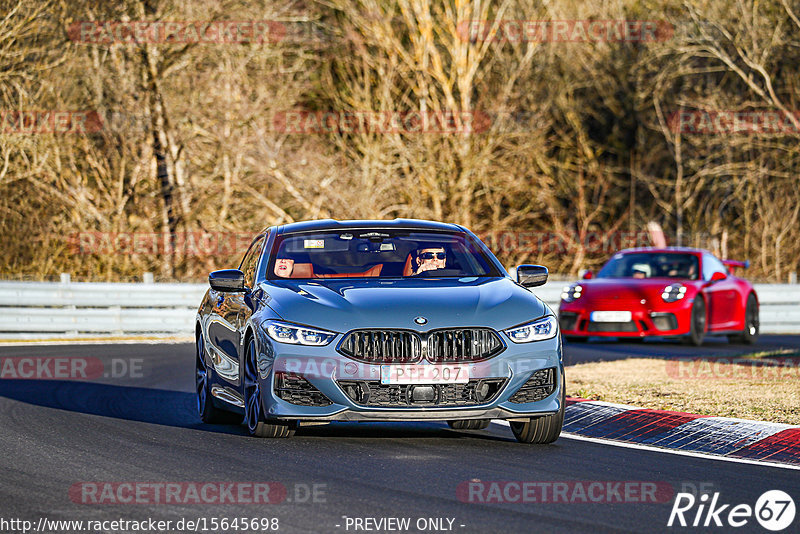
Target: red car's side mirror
[(587, 275), (717, 276)]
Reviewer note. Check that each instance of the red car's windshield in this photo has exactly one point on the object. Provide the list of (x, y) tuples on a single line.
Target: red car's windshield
[(651, 265), (378, 253)]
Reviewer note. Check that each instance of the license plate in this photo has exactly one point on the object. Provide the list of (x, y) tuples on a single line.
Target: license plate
[(610, 316), (424, 374)]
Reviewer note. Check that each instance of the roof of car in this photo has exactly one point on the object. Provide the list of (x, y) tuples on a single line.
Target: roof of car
[(331, 224), (684, 250)]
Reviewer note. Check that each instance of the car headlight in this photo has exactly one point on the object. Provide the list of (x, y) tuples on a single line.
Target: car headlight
[(570, 293), (673, 292), (296, 334), (539, 330)]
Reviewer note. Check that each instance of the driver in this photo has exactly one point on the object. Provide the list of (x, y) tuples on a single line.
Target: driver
[(428, 259), (284, 267)]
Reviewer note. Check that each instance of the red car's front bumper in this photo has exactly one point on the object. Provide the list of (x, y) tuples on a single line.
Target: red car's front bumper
[(575, 319)]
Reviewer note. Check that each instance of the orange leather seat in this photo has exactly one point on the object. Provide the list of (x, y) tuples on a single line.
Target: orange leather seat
[(408, 270)]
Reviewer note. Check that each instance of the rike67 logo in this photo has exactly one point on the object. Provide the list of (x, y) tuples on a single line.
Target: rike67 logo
[(774, 510)]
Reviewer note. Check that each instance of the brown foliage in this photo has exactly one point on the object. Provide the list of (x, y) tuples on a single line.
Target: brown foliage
[(580, 139)]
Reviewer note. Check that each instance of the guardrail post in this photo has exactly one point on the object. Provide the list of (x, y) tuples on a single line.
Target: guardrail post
[(793, 277), (147, 278), (65, 280)]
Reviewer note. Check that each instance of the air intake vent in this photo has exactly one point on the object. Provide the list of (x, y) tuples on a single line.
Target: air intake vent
[(539, 386)]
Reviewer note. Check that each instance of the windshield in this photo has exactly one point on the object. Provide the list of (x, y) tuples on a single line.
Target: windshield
[(378, 253), (651, 265)]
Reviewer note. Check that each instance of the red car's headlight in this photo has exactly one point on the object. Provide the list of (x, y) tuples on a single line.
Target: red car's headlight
[(673, 293), (570, 293)]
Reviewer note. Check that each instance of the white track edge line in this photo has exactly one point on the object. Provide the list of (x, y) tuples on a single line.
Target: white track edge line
[(678, 452)]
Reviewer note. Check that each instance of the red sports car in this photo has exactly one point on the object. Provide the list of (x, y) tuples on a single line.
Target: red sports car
[(671, 291)]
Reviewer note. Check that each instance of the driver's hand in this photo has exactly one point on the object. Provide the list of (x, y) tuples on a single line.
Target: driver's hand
[(427, 267)]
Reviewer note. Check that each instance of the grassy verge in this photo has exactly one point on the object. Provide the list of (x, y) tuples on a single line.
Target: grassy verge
[(763, 386)]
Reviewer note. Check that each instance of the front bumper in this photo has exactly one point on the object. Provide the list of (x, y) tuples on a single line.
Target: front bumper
[(329, 372), (669, 319)]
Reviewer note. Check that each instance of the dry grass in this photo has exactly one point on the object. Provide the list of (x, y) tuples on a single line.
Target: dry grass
[(718, 387)]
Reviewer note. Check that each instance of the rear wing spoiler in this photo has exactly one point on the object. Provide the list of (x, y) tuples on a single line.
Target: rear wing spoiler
[(733, 263)]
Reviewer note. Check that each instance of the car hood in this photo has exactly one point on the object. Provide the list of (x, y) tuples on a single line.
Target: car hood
[(341, 305), (627, 289)]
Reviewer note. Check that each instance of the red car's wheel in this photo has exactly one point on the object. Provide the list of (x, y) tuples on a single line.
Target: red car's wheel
[(751, 323), (697, 329)]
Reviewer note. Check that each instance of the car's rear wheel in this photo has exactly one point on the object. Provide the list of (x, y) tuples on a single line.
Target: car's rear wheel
[(257, 425), (751, 323), (205, 404), (697, 329), (544, 429), (469, 424)]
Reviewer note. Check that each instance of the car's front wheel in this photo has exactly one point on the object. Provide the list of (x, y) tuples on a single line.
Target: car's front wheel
[(205, 404), (697, 329), (541, 430), (257, 425), (751, 323)]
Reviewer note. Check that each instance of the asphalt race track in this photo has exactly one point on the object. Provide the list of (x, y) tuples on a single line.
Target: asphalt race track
[(141, 427)]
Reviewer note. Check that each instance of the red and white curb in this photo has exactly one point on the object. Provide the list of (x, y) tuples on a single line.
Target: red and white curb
[(686, 432)]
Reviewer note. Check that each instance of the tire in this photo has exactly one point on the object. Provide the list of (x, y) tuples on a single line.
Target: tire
[(469, 424), (576, 339), (209, 413), (544, 429), (698, 326), (254, 419), (751, 323)]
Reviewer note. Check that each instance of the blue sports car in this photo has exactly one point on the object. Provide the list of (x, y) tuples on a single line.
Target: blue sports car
[(399, 320)]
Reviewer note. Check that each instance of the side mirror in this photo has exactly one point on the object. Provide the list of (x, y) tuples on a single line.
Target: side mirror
[(717, 276), (227, 280), (531, 275), (587, 274)]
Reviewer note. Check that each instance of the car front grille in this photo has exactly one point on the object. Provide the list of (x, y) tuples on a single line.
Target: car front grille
[(539, 386), (406, 346), (382, 346), (626, 326), (462, 345), (297, 390), (373, 393)]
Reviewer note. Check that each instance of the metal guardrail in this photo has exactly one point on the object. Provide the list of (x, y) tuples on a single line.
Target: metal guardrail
[(53, 309)]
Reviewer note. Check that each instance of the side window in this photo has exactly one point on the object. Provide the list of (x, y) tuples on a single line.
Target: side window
[(250, 261), (712, 265)]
